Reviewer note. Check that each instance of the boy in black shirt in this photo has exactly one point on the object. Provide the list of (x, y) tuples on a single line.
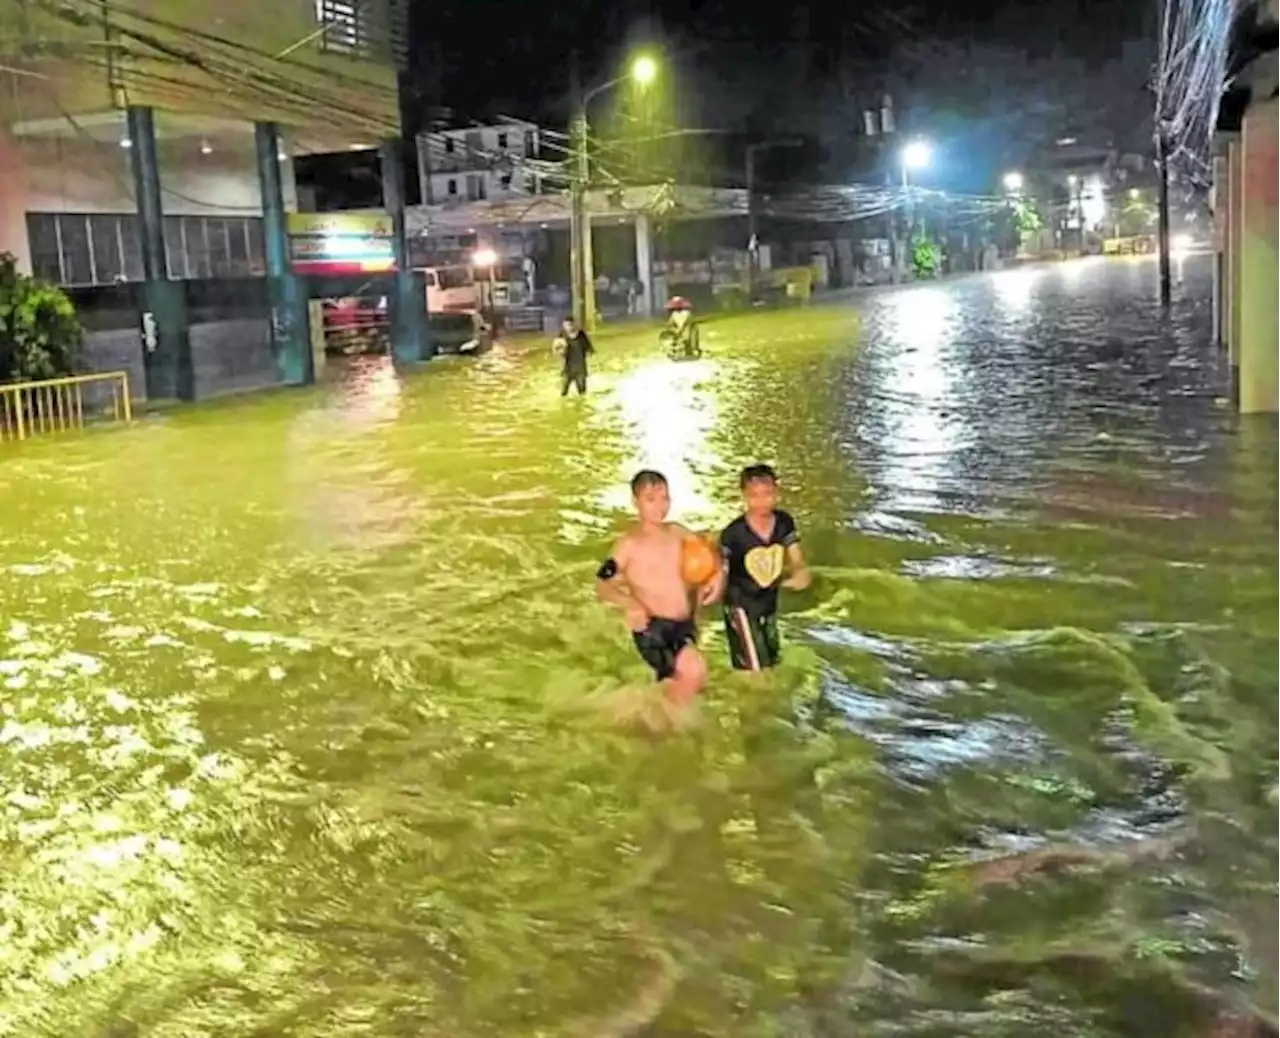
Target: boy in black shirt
[(572, 343), (759, 547)]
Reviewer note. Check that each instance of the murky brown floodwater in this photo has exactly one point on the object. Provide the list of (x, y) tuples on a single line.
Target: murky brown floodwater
[(297, 734)]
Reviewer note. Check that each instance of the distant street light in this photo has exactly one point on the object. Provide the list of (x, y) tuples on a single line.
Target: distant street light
[(642, 70), (916, 155), (485, 258), (1013, 182), (1134, 193)]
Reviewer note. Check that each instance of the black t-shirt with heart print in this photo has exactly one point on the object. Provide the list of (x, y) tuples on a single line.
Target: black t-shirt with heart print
[(756, 564)]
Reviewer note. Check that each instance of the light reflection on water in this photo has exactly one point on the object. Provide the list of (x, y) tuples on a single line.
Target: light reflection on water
[(668, 413), (297, 735)]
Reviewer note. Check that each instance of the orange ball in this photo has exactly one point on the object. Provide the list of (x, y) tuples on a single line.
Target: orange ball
[(699, 560)]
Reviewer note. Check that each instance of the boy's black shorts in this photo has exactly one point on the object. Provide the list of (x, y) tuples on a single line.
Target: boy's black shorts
[(753, 640), (661, 642)]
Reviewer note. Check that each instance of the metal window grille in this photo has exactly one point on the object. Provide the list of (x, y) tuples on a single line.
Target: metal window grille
[(84, 249)]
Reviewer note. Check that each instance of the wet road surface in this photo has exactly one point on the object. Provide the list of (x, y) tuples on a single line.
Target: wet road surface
[(299, 732)]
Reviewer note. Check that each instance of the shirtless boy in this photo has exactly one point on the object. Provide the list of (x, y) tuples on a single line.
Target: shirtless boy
[(643, 578)]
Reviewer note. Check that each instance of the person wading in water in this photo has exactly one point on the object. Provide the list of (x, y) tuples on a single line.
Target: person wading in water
[(574, 345)]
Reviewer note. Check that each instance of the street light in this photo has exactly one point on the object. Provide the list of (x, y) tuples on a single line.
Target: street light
[(1013, 182), (485, 258), (642, 70), (916, 155)]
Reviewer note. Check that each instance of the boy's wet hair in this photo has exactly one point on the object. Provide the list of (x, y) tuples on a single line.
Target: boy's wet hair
[(646, 478), (757, 474)]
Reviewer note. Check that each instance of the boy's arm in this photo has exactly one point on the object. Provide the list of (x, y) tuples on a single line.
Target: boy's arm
[(713, 590), (800, 576), (612, 589)]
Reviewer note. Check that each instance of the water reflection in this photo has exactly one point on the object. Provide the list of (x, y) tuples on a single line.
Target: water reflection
[(668, 413), (262, 772), (920, 389)]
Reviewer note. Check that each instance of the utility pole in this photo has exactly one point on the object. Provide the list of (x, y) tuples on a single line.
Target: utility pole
[(583, 269), (1162, 154), (753, 241), (581, 272), (1162, 166)]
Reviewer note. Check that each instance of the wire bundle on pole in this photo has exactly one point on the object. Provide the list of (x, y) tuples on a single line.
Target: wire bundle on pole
[(1190, 76)]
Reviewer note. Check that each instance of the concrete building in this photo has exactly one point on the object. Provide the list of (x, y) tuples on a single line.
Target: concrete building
[(510, 226), (1245, 217), (479, 163), (323, 69)]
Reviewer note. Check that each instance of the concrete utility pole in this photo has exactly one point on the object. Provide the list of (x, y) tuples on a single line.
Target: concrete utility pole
[(1162, 155), (1162, 165), (753, 243), (582, 270)]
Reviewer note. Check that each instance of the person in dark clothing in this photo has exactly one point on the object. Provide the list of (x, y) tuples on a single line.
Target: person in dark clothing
[(762, 554), (574, 345)]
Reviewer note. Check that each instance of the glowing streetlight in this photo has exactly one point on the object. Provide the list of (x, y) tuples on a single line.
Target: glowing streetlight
[(485, 258), (644, 70), (916, 155), (1013, 182), (1134, 193)]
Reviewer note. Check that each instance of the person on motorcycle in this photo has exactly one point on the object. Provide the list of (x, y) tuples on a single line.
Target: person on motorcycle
[(680, 336)]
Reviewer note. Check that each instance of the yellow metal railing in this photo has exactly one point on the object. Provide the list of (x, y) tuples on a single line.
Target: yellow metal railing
[(56, 405)]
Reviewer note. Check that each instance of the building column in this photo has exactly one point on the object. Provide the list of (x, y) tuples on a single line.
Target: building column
[(166, 345), (1259, 341), (286, 292), (1218, 196), (409, 332), (1235, 231), (644, 264)]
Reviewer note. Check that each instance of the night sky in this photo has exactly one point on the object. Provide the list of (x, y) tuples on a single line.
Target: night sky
[(990, 84), (476, 56)]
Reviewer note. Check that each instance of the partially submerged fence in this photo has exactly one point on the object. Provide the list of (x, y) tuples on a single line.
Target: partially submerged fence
[(55, 405)]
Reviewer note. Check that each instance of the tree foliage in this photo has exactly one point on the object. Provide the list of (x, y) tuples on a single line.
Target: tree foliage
[(40, 336)]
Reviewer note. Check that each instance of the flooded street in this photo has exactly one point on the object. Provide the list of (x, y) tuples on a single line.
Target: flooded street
[(299, 736)]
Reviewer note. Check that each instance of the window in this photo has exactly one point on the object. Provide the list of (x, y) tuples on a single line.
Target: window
[(506, 181), (502, 141), (452, 188), (79, 249), (455, 277), (346, 25), (449, 145)]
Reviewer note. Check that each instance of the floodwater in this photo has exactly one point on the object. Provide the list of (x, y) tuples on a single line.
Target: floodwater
[(300, 737)]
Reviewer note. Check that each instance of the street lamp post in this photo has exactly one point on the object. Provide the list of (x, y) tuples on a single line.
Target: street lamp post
[(916, 155), (753, 244), (485, 259), (643, 71)]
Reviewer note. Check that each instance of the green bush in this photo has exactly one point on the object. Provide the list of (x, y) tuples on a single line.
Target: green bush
[(40, 336), (926, 257)]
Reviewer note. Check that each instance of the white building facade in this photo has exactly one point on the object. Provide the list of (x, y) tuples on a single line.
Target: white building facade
[(479, 163)]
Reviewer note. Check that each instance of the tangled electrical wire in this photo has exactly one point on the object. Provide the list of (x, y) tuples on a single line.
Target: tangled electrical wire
[(153, 55), (1190, 76)]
